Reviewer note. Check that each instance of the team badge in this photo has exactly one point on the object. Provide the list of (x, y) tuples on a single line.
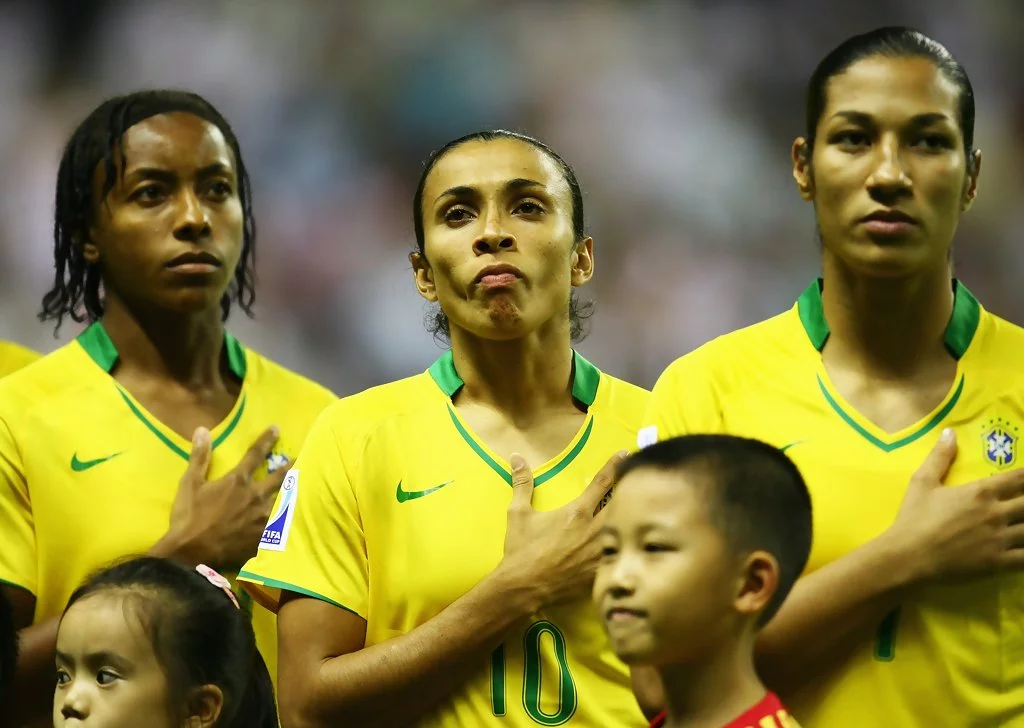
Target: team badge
[(275, 535), (276, 461), (999, 438)]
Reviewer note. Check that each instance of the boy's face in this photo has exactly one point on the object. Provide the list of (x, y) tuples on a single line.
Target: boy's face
[(667, 582)]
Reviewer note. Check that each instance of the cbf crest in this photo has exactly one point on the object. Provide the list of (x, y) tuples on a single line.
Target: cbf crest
[(999, 438)]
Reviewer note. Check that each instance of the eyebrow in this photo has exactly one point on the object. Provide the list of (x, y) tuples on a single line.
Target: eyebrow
[(164, 175), (859, 117), (101, 657), (513, 185)]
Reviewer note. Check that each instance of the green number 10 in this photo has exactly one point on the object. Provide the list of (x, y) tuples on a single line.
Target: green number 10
[(885, 637), (532, 663)]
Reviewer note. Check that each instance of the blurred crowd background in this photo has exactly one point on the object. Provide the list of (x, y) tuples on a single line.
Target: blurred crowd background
[(677, 115)]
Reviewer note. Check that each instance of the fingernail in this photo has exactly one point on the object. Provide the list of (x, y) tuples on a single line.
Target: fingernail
[(200, 435), (948, 435), (517, 461), (275, 431)]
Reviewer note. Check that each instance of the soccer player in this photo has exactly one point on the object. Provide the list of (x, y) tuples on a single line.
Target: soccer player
[(911, 611), (705, 537), (13, 357), (107, 444), (422, 575)]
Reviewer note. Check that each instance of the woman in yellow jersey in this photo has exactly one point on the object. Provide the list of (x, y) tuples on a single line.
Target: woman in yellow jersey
[(911, 608), (107, 444), (13, 357), (424, 575)]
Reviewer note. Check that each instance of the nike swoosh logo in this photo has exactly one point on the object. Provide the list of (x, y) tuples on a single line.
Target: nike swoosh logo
[(792, 444), (406, 495), (80, 465)]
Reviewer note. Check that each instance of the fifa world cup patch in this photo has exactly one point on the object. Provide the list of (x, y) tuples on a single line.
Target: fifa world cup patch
[(275, 535), (999, 440)]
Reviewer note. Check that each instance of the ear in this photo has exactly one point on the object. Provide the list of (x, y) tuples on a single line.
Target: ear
[(90, 252), (582, 262), (205, 707), (423, 274), (758, 584), (802, 172), (971, 183)]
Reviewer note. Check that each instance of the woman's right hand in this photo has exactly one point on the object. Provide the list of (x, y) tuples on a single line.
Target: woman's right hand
[(955, 532), (555, 552), (220, 522)]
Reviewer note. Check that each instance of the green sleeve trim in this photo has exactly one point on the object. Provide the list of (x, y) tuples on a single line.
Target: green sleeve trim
[(4, 582), (285, 586)]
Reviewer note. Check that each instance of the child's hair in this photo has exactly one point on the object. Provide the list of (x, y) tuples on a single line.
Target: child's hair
[(756, 497), (199, 636), (8, 648)]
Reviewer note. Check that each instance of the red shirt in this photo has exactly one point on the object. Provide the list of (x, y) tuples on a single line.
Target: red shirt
[(770, 707)]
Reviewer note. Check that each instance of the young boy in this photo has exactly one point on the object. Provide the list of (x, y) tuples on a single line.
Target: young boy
[(704, 538)]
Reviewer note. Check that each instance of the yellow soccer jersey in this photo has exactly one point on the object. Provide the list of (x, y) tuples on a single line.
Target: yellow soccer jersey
[(14, 357), (395, 509), (951, 655), (87, 476)]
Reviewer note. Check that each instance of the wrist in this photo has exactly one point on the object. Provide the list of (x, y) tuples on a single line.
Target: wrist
[(899, 563), (518, 590), (176, 547)]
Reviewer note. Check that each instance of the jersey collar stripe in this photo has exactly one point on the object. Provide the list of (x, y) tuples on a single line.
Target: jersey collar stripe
[(912, 437), (170, 443), (585, 377), (98, 345), (963, 324), (505, 474)]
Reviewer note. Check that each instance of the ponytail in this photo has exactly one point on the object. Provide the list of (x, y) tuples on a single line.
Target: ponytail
[(257, 708)]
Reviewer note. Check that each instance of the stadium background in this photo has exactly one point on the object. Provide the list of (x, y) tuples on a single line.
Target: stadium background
[(678, 117)]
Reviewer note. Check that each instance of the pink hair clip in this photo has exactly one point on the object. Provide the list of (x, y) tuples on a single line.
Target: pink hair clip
[(218, 581)]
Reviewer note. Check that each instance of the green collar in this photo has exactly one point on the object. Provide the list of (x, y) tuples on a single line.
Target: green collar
[(585, 377), (959, 332), (97, 344)]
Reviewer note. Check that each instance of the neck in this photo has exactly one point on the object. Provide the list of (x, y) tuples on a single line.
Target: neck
[(183, 348), (891, 327), (522, 377), (716, 691)]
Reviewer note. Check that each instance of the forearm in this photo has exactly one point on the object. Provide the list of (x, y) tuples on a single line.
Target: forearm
[(31, 698), (397, 682), (830, 613)]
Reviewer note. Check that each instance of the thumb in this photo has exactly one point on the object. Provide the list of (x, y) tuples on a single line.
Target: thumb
[(522, 483), (935, 468), (199, 458)]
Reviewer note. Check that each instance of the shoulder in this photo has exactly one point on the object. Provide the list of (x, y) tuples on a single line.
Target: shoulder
[(625, 400), (48, 379), (274, 380), (14, 356), (359, 415), (729, 357)]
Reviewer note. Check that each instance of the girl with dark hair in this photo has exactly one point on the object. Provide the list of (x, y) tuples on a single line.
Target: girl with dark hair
[(150, 642)]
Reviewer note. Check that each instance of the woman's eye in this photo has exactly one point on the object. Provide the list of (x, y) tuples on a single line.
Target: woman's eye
[(457, 214), (149, 193), (530, 208)]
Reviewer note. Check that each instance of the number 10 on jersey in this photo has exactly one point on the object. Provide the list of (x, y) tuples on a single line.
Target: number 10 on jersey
[(534, 639)]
